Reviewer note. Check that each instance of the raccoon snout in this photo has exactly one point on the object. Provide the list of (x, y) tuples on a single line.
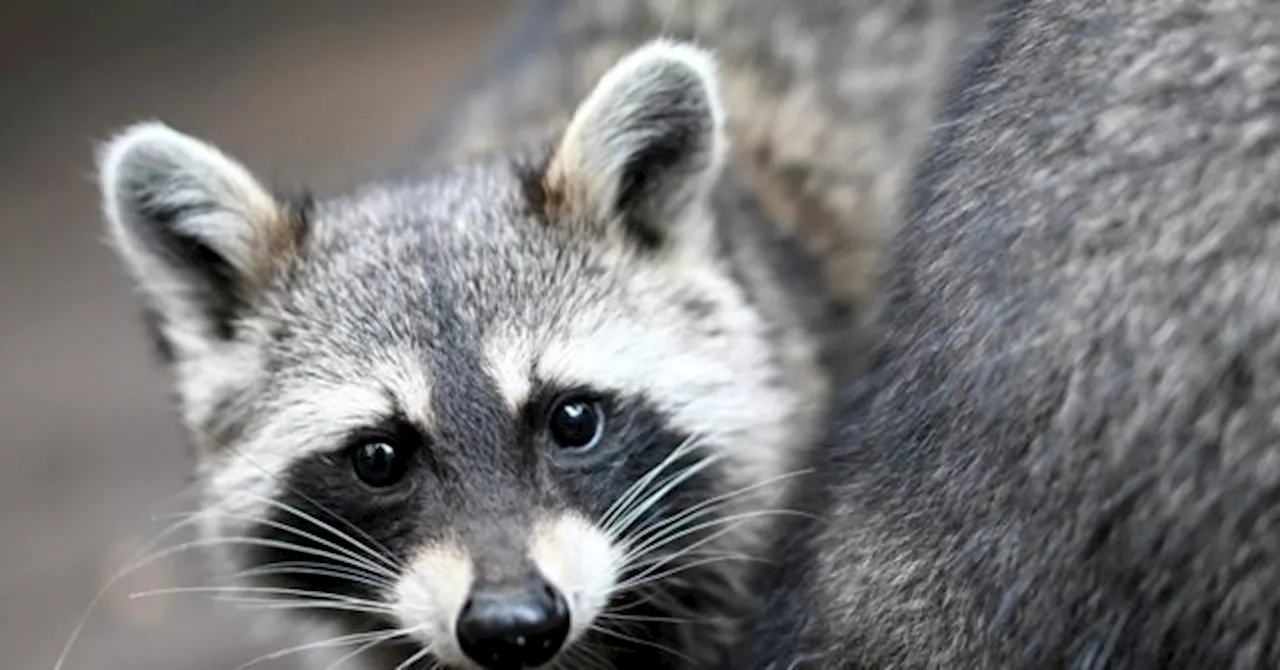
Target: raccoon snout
[(513, 628)]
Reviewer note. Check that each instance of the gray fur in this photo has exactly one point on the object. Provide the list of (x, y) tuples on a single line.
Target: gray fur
[(445, 296), (827, 102), (646, 147), (1066, 453), (446, 302)]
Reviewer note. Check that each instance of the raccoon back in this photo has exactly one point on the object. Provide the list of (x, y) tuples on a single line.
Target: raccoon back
[(1066, 453)]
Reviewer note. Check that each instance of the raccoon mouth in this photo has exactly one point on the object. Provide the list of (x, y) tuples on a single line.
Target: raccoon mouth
[(513, 654)]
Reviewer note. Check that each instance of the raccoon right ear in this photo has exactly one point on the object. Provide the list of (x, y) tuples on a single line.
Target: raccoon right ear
[(195, 228), (644, 149)]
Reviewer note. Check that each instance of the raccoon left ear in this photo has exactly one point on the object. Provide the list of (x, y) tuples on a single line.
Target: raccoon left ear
[(197, 230), (645, 148)]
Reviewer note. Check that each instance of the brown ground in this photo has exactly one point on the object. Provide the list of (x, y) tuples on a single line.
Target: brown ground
[(314, 91)]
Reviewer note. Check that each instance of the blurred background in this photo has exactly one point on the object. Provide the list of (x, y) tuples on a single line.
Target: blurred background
[(320, 92)]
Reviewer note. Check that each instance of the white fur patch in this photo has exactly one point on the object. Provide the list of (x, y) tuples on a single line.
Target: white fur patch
[(579, 560), (317, 416), (431, 595), (508, 358)]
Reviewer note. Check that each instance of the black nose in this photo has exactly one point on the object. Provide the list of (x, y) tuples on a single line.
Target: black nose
[(516, 628)]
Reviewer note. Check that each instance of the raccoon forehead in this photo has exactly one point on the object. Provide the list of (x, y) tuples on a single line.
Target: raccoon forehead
[(426, 248), (447, 213), (436, 270)]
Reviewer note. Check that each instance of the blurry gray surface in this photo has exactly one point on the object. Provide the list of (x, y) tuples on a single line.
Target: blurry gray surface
[(317, 92)]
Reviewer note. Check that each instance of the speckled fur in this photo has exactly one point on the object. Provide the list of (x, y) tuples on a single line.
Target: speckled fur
[(827, 100), (443, 312), (447, 297), (1067, 454)]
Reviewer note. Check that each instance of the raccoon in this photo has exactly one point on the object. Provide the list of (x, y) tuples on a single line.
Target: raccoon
[(1064, 454), (535, 401), (469, 409)]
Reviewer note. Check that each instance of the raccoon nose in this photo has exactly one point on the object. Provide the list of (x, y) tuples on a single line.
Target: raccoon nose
[(516, 628)]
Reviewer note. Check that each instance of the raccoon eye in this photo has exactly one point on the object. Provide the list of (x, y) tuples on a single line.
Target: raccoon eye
[(576, 422), (379, 464)]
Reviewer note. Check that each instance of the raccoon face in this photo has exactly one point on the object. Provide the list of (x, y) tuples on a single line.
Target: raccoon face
[(475, 414)]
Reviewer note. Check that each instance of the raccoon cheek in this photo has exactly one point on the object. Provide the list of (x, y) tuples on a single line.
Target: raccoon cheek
[(430, 596), (579, 560)]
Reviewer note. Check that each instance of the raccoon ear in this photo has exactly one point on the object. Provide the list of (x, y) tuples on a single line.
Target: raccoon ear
[(195, 228), (645, 148)]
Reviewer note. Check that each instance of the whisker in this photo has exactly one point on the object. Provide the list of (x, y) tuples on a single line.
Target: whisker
[(669, 485), (330, 642), (674, 533), (695, 553), (637, 487), (356, 559), (266, 590), (633, 490), (386, 558), (648, 576), (284, 605), (292, 489), (266, 543), (130, 567), (311, 570), (138, 562), (644, 618), (642, 597), (580, 655), (657, 491), (732, 521), (655, 533), (408, 662), (716, 501), (642, 573), (644, 578), (599, 660), (648, 643), (371, 644)]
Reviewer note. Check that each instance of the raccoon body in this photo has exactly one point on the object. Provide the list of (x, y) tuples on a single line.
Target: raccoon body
[(532, 402), (1064, 453)]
